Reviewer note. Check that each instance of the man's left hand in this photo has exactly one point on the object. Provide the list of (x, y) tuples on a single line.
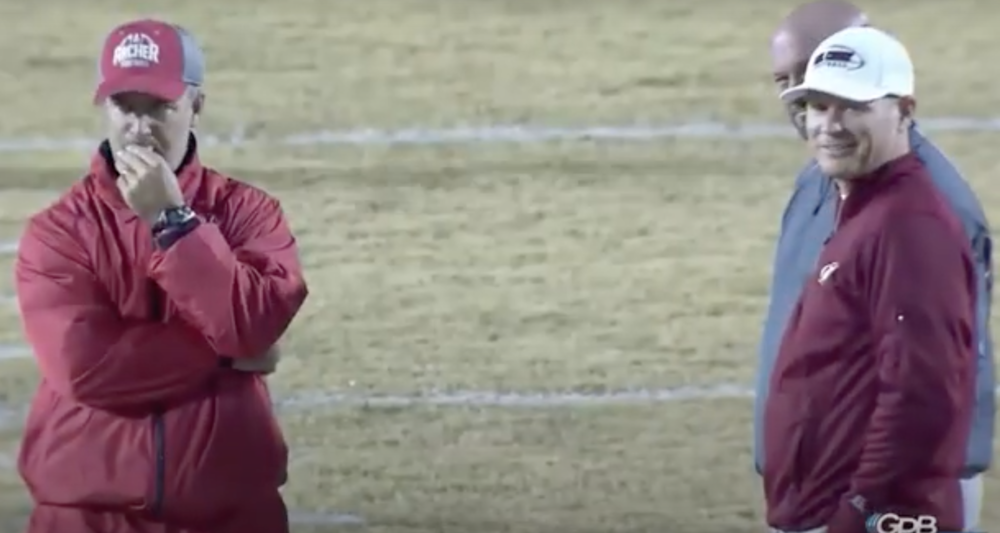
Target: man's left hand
[(147, 183)]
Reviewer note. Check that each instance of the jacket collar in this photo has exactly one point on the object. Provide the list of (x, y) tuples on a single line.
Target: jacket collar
[(865, 188), (102, 167)]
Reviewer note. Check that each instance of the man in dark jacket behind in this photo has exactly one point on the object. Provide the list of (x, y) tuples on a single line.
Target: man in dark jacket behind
[(871, 396), (809, 218)]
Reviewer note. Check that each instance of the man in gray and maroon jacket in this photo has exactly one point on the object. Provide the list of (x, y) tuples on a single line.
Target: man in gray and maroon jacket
[(871, 397), (808, 219)]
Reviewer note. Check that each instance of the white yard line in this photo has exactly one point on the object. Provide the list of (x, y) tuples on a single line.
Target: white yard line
[(308, 518), (10, 352), (528, 399), (494, 133)]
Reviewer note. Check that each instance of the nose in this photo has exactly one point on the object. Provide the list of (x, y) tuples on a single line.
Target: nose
[(139, 124), (825, 125)]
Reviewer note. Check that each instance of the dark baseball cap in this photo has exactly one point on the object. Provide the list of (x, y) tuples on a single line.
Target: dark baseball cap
[(149, 56)]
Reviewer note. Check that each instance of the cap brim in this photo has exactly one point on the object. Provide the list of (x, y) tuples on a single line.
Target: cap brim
[(153, 86), (835, 86)]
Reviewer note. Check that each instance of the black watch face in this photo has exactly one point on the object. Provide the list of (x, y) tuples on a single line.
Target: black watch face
[(174, 216)]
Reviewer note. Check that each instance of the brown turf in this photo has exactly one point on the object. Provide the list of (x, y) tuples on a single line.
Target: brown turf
[(585, 266)]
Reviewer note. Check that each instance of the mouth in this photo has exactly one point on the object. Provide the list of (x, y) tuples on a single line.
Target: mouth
[(147, 143), (840, 149)]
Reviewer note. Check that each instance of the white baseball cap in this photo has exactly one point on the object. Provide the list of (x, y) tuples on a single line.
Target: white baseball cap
[(857, 64)]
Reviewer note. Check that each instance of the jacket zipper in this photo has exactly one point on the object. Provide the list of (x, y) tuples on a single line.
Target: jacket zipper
[(839, 206), (159, 480), (839, 213)]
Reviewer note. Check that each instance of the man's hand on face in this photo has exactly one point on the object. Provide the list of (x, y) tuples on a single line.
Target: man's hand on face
[(147, 182), (264, 364)]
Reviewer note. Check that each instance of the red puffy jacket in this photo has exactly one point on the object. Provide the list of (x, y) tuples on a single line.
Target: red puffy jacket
[(134, 411)]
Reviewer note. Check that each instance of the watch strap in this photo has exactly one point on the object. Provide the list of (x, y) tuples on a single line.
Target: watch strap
[(172, 224)]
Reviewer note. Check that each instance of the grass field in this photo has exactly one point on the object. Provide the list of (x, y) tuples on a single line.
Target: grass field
[(454, 271)]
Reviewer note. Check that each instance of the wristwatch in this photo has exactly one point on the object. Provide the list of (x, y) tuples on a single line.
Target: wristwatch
[(172, 224), (173, 217)]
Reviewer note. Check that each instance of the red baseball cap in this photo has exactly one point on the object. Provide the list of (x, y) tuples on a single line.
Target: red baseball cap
[(149, 56)]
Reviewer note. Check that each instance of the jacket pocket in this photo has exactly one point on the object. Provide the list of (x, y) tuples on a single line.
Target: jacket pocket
[(804, 452), (72, 455), (222, 450), (159, 434), (787, 456)]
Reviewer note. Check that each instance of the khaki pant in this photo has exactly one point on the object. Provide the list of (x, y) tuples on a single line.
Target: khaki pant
[(972, 499)]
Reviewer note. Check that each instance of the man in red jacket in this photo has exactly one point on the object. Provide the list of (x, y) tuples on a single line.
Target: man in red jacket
[(152, 293), (871, 396)]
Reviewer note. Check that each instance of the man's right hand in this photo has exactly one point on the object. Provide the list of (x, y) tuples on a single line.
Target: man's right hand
[(264, 364)]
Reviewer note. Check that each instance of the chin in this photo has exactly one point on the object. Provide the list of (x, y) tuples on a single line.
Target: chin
[(839, 169)]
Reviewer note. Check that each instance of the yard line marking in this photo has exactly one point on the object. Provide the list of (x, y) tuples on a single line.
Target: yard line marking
[(530, 400), (307, 518), (10, 352), (11, 417), (495, 133), (314, 399)]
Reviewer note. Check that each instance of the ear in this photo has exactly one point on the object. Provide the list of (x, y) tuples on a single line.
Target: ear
[(198, 105), (907, 107)]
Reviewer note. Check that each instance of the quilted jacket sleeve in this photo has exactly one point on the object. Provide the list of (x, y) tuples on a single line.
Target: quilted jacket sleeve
[(84, 348), (240, 290)]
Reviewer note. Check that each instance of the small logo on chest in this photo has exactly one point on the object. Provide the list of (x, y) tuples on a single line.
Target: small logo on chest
[(827, 271)]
